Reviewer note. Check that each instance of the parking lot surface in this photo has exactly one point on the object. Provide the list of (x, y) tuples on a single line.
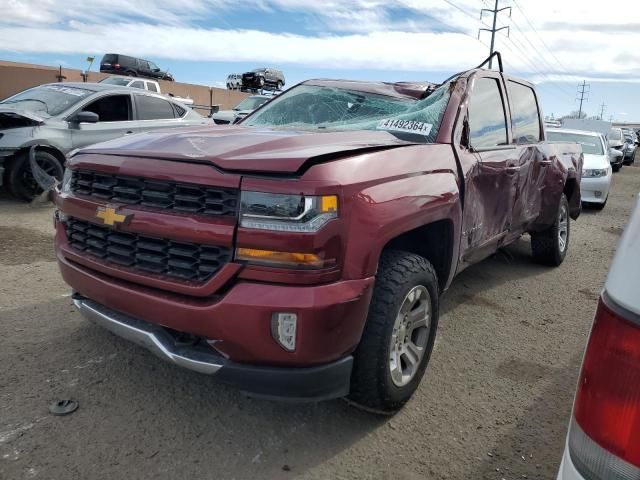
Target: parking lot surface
[(494, 403)]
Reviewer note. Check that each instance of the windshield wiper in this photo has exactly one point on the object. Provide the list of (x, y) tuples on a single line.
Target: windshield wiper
[(30, 100)]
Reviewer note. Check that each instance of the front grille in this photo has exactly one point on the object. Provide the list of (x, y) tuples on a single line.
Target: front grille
[(156, 194), (168, 258)]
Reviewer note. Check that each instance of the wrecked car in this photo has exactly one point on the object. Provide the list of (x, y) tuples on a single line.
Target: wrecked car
[(302, 253), (59, 117)]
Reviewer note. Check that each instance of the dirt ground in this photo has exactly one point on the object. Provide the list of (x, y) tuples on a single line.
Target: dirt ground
[(494, 403)]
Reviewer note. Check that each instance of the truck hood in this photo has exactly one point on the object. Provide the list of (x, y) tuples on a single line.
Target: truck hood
[(247, 148), (13, 117)]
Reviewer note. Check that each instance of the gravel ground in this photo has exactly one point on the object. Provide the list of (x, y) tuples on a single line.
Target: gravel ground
[(494, 403)]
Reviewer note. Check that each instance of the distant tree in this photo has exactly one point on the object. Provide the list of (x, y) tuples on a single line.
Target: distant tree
[(574, 114)]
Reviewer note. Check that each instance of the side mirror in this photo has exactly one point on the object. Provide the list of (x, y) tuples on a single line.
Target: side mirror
[(87, 117)]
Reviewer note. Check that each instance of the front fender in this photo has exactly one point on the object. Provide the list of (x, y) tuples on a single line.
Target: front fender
[(385, 211)]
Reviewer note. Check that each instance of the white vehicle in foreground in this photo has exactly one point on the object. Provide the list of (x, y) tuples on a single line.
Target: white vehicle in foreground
[(596, 170), (603, 442)]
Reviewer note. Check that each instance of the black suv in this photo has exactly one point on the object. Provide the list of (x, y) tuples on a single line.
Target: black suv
[(134, 67), (263, 78)]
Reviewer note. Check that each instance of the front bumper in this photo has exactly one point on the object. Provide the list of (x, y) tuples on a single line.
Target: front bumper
[(298, 384), (595, 190), (331, 316)]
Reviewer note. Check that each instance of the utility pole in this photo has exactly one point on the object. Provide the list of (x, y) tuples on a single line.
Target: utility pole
[(582, 90), (603, 107), (493, 30)]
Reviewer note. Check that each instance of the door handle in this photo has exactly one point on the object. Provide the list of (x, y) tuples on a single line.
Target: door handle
[(513, 169)]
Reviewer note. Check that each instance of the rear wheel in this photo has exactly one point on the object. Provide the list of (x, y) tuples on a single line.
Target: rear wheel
[(132, 73), (20, 179), (399, 333), (550, 246)]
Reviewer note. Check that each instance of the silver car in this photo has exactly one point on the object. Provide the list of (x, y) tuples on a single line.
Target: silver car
[(60, 117)]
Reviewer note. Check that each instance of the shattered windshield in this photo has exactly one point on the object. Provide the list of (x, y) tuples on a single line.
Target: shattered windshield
[(310, 107), (52, 99)]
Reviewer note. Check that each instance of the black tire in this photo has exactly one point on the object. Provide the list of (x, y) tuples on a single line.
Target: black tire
[(599, 206), (261, 82), (372, 386), (546, 245), (616, 168), (132, 73), (279, 86), (20, 180)]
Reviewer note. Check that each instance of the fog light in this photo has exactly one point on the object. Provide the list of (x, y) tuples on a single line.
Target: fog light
[(283, 329), (597, 193)]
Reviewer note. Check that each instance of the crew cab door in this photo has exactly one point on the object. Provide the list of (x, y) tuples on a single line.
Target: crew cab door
[(153, 112), (491, 175), (114, 120), (531, 159)]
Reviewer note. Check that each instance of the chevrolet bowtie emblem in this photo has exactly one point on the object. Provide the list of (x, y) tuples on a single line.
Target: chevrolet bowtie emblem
[(109, 216)]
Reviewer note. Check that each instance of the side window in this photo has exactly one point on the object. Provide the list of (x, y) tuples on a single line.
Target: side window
[(114, 108), (487, 120), (153, 108), (152, 87), (179, 111), (143, 64), (524, 113), (137, 84)]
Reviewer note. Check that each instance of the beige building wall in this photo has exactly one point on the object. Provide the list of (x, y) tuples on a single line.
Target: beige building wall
[(16, 77)]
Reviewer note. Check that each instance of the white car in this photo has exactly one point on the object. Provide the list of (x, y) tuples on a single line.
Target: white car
[(603, 442), (144, 84), (596, 170), (234, 81)]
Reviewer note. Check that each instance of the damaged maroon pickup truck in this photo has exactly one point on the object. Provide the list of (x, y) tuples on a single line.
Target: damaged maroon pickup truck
[(301, 254)]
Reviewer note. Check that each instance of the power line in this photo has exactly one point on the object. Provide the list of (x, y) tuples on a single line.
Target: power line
[(493, 29), (538, 35), (603, 107), (582, 91)]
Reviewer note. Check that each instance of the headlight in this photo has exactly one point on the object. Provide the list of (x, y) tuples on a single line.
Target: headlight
[(65, 186), (595, 172), (287, 213)]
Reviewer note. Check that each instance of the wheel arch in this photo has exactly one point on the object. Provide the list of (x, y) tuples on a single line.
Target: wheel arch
[(433, 241), (572, 192)]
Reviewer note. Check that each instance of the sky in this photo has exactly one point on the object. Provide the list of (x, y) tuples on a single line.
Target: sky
[(556, 44)]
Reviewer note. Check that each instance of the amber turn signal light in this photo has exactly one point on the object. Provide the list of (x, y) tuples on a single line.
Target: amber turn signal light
[(280, 259)]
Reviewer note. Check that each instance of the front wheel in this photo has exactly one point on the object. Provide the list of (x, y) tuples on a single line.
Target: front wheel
[(399, 333), (549, 247), (279, 86), (20, 179), (616, 168)]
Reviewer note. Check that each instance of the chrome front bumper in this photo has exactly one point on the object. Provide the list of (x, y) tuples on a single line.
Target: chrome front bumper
[(304, 384), (152, 337)]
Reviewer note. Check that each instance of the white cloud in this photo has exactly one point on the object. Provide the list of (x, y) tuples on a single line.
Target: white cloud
[(378, 50), (351, 34)]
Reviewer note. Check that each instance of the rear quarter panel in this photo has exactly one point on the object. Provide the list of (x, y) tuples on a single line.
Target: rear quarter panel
[(562, 175)]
